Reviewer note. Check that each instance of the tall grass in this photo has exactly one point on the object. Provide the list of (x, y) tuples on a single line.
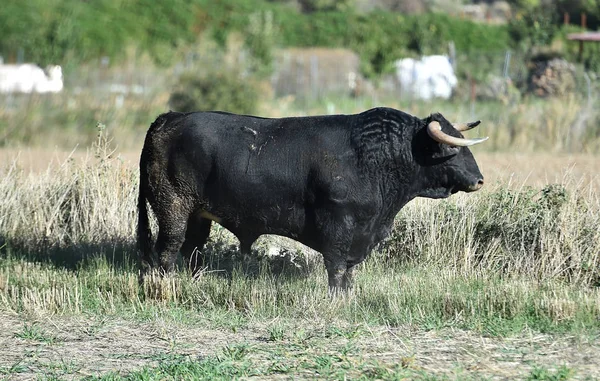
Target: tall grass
[(547, 233), (67, 119), (498, 260), (87, 203)]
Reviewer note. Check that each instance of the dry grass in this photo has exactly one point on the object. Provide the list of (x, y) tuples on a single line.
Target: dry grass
[(518, 223), (549, 232)]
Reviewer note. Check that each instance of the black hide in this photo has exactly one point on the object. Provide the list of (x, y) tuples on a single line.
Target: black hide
[(334, 183)]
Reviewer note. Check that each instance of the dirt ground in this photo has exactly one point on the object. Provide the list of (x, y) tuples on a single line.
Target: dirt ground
[(83, 347)]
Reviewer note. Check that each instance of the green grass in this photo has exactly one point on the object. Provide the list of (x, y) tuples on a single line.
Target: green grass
[(35, 333), (287, 360), (540, 373), (384, 295)]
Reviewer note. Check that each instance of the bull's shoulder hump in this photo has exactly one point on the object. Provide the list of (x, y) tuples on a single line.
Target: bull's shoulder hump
[(387, 113)]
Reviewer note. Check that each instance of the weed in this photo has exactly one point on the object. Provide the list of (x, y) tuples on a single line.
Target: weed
[(17, 367), (236, 352), (276, 333), (540, 373), (35, 333)]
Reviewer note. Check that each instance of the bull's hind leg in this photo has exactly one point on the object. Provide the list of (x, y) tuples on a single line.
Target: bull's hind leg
[(172, 224), (196, 235)]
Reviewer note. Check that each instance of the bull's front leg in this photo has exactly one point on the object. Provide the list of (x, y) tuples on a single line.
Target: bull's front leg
[(336, 274), (361, 247), (335, 256), (335, 232), (348, 279)]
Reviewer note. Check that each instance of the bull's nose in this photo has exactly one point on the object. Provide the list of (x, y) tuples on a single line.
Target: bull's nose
[(475, 186)]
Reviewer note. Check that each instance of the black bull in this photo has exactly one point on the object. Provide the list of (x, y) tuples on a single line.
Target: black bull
[(334, 183)]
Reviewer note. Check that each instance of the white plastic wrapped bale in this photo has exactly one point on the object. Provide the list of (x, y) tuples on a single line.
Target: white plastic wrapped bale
[(30, 78), (427, 78)]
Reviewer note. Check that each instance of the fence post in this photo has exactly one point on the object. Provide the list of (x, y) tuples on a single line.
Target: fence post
[(507, 57), (473, 93), (588, 82), (452, 54), (299, 69), (314, 75)]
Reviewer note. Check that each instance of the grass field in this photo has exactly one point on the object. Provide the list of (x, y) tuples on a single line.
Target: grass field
[(499, 284)]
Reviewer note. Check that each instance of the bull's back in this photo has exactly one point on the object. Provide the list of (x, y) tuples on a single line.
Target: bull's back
[(262, 173)]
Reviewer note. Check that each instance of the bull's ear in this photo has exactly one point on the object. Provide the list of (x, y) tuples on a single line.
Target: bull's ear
[(449, 150), (466, 126)]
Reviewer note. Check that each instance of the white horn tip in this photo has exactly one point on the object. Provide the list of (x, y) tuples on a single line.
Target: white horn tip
[(477, 140)]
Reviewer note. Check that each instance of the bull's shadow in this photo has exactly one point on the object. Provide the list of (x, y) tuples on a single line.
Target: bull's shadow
[(224, 258), (119, 254), (219, 257)]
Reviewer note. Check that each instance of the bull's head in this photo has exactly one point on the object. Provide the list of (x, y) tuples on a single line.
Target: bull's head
[(449, 165)]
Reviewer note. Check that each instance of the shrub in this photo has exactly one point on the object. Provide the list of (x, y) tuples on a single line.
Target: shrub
[(534, 28), (222, 91), (542, 233)]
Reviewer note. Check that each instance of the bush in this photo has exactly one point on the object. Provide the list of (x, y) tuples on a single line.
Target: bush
[(542, 233), (222, 91), (534, 28)]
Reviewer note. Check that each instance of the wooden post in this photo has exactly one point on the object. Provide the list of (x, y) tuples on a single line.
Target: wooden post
[(473, 96), (583, 20), (566, 18)]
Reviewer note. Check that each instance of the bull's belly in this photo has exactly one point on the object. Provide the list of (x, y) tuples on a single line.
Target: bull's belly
[(287, 222)]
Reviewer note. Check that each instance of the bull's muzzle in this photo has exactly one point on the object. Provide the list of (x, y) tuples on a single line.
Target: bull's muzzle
[(476, 186)]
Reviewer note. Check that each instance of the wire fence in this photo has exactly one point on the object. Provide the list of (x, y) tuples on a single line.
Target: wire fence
[(314, 73)]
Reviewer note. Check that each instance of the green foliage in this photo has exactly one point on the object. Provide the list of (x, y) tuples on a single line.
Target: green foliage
[(52, 31), (220, 91), (524, 4), (260, 42), (277, 333), (34, 332), (590, 59), (533, 28), (236, 352), (78, 31), (380, 38), (84, 31), (563, 373)]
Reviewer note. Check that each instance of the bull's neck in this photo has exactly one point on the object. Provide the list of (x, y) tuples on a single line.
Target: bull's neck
[(398, 188), (383, 140)]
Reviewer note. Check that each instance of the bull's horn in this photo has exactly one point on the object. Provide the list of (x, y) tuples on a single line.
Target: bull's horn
[(466, 126), (434, 129)]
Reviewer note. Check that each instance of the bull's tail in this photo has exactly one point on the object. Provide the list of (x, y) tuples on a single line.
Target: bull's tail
[(144, 233)]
